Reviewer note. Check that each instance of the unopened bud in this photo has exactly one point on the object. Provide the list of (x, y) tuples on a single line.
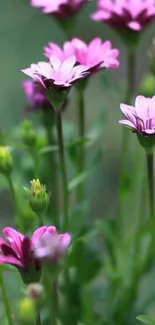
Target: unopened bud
[(35, 292), (6, 161), (27, 310), (29, 135), (38, 197)]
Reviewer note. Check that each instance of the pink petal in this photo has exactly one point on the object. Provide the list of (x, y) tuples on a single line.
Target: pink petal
[(28, 72), (127, 123), (15, 239), (55, 62), (65, 239), (100, 15), (50, 230), (149, 131), (10, 260), (37, 234), (134, 25)]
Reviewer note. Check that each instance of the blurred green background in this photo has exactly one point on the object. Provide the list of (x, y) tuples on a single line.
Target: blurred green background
[(24, 31)]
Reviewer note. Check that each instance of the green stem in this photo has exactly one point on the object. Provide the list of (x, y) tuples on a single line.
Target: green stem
[(149, 159), (16, 205), (54, 204), (6, 300), (38, 319), (63, 170), (81, 158), (54, 308), (125, 140)]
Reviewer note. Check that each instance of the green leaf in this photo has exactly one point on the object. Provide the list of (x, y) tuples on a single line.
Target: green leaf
[(79, 179), (83, 176), (96, 131), (146, 319), (86, 260)]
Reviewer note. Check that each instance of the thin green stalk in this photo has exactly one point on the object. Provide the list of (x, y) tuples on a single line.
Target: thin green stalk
[(54, 204), (15, 201), (149, 160), (65, 196), (6, 300), (38, 319), (54, 307), (63, 170), (125, 139), (81, 157)]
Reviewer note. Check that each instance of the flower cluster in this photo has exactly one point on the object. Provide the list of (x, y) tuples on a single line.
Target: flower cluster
[(59, 8), (131, 14)]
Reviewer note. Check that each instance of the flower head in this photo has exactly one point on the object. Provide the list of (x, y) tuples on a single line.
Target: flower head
[(6, 161), (130, 14), (38, 197), (56, 74), (59, 8), (35, 95), (96, 55), (16, 249), (51, 248), (141, 118)]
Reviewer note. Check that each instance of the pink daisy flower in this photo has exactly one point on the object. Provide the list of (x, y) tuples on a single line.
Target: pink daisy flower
[(35, 96), (131, 14), (17, 250), (57, 74), (95, 56), (59, 8), (141, 118)]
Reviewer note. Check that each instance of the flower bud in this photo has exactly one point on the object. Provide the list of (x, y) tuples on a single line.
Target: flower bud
[(27, 310), (6, 161), (29, 135), (35, 292), (38, 197)]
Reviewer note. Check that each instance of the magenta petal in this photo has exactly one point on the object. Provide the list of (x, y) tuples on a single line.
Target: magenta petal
[(50, 230), (37, 234), (127, 123), (10, 260), (65, 239)]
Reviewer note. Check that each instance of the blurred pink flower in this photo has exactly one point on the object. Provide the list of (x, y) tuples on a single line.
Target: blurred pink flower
[(35, 95), (96, 55), (16, 249), (140, 118), (57, 74), (49, 249), (131, 14), (60, 8)]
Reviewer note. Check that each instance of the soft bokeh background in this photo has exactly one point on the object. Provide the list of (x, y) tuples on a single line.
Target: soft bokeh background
[(24, 31)]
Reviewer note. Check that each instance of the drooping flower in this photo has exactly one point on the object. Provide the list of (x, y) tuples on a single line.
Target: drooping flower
[(17, 250), (56, 74), (96, 55), (130, 14), (59, 8), (49, 249), (35, 95), (141, 118)]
